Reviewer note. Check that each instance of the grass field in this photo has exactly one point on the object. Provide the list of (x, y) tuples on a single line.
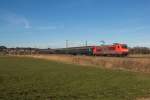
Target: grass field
[(36, 79), (135, 63)]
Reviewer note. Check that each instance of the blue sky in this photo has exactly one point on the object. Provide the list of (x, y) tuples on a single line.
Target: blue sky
[(48, 23)]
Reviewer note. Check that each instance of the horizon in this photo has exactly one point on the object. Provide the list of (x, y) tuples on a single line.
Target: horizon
[(49, 23), (72, 46)]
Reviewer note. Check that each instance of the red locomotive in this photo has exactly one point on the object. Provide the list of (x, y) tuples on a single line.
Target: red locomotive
[(104, 50), (111, 50)]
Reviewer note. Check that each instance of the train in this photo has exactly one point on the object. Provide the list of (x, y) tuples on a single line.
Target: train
[(116, 49)]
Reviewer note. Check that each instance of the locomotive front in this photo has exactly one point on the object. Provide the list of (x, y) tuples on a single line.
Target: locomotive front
[(122, 49)]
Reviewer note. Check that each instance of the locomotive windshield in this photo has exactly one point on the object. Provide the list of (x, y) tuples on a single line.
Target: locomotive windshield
[(124, 46)]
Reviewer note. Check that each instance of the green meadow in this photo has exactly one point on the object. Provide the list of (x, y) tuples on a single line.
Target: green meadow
[(37, 79)]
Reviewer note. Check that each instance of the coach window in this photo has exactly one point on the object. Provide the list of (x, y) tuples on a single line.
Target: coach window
[(98, 50), (112, 48)]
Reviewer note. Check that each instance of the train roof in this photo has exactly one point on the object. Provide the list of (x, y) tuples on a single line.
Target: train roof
[(82, 47), (87, 47)]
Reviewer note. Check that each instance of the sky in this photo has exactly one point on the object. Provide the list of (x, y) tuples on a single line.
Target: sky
[(49, 23)]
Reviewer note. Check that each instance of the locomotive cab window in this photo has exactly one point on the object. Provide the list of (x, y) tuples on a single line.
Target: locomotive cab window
[(124, 46)]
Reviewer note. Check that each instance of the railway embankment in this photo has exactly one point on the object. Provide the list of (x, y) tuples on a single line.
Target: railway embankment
[(130, 63)]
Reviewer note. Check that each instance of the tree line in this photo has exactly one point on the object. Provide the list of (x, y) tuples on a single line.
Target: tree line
[(139, 50)]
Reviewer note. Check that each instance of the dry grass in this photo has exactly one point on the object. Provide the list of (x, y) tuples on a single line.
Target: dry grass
[(131, 63), (139, 56), (143, 98)]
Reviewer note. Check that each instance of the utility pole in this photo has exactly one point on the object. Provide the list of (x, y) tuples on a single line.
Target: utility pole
[(66, 43), (86, 43)]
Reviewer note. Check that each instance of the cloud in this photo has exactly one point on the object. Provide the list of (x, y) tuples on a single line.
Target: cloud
[(47, 27), (50, 27), (131, 29), (15, 19)]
